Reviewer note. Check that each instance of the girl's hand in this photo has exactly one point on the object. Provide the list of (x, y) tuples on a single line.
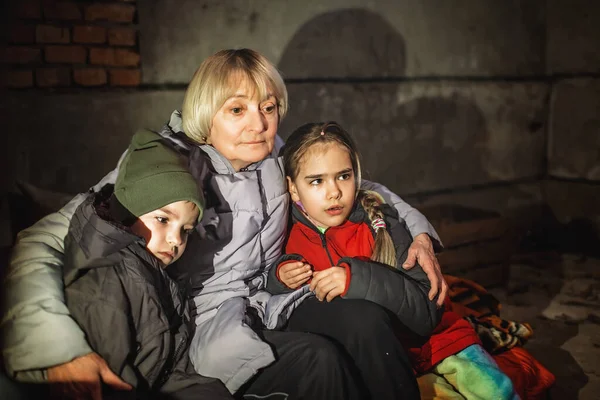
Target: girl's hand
[(421, 250), (295, 274), (329, 283)]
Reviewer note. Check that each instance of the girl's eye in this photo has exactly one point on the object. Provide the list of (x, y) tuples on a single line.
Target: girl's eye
[(162, 220), (236, 110), (188, 231), (345, 177), (316, 182)]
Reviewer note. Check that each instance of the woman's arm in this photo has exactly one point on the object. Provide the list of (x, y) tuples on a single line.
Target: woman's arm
[(426, 240), (37, 328), (38, 331), (415, 221)]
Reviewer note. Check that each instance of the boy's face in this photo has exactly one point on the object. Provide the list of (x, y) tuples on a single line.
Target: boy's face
[(166, 230), (325, 184)]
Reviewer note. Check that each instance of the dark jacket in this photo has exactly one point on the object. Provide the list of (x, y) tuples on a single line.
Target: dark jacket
[(132, 313), (350, 245)]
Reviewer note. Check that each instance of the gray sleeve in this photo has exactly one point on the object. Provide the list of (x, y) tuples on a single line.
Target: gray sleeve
[(395, 289), (37, 328)]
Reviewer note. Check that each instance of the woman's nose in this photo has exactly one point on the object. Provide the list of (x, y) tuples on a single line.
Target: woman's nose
[(257, 121)]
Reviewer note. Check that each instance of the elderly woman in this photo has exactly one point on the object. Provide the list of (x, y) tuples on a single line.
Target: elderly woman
[(227, 128)]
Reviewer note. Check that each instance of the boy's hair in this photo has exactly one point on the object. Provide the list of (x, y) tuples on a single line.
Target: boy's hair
[(218, 78), (308, 135)]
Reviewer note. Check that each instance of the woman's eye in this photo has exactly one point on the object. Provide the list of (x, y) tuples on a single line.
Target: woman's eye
[(269, 108), (162, 220)]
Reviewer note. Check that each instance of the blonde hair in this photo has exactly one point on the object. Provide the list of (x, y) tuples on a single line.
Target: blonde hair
[(384, 250), (216, 80), (308, 135)]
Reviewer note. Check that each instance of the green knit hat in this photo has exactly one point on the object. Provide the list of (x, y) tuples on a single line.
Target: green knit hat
[(153, 175)]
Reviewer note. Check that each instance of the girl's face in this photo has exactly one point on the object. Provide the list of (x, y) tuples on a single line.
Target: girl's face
[(166, 230), (244, 128), (325, 184)]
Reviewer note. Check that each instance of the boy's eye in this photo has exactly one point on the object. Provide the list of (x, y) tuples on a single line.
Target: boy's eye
[(162, 220)]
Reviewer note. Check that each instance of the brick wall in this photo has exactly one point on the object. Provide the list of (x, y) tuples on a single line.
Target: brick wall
[(71, 43)]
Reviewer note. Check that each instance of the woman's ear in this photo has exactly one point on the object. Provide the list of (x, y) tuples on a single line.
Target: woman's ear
[(292, 189)]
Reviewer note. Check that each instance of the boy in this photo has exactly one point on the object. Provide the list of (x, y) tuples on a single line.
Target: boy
[(117, 289)]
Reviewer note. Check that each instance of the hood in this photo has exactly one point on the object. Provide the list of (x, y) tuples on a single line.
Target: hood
[(93, 242)]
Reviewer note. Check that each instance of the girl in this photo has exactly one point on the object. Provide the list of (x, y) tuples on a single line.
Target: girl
[(347, 243)]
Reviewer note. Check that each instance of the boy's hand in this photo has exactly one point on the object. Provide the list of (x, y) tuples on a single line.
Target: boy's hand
[(421, 250), (82, 378), (329, 283), (295, 274)]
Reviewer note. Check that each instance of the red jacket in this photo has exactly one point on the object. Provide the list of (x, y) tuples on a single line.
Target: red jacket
[(404, 292)]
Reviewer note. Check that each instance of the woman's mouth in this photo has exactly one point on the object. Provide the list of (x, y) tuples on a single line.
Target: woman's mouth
[(333, 211)]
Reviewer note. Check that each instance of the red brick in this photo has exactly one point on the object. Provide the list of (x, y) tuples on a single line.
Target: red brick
[(22, 34), (114, 57), (20, 55), (65, 54), (62, 10), (126, 58), (125, 77), (90, 76), (52, 34), (122, 36), (89, 34), (17, 78), (110, 12), (52, 77), (102, 56), (30, 9)]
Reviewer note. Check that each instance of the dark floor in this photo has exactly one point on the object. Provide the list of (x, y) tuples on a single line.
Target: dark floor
[(559, 295)]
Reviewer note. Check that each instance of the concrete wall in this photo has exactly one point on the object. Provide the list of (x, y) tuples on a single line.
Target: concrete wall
[(458, 100), (573, 60), (373, 38)]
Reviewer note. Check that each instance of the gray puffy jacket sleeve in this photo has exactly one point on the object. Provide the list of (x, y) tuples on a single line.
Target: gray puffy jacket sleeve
[(403, 292), (37, 328), (415, 221)]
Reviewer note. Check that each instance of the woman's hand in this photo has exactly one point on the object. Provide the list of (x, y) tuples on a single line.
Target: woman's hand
[(421, 250), (294, 274), (329, 283), (82, 378)]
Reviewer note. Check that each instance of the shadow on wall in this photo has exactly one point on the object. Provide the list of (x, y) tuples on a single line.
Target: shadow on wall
[(413, 137)]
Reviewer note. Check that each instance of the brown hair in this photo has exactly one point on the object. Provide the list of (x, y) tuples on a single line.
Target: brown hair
[(215, 81), (308, 135)]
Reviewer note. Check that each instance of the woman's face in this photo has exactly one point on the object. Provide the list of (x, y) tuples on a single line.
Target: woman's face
[(244, 128)]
